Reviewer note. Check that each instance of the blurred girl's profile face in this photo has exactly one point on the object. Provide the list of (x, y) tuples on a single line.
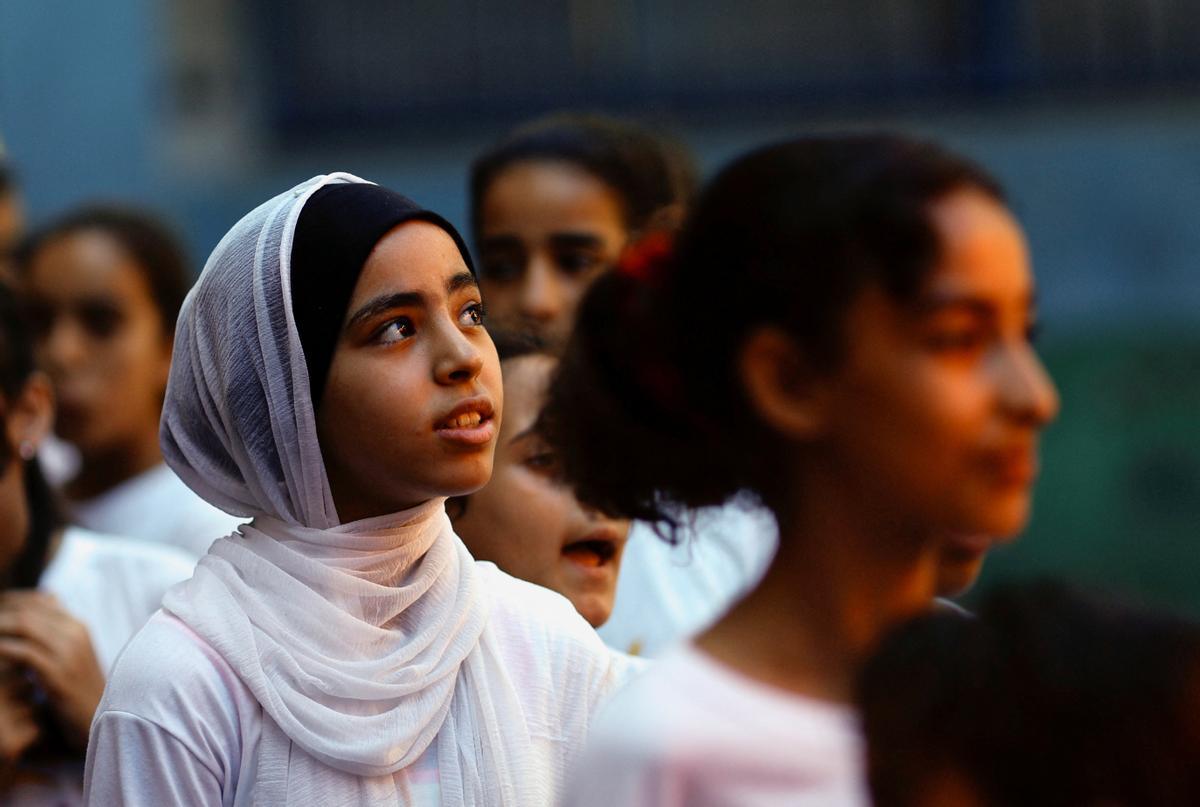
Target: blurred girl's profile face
[(935, 410), (14, 510), (547, 229), (24, 423), (527, 521), (413, 399), (101, 338)]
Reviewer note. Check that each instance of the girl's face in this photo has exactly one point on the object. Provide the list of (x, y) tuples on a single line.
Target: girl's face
[(413, 399), (102, 340), (935, 412), (547, 230), (527, 521), (26, 421)]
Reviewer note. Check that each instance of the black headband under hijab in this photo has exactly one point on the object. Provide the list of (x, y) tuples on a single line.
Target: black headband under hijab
[(337, 229)]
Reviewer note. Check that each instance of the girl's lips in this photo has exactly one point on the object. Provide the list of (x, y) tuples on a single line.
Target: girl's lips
[(1017, 467), (472, 422), (469, 435), (595, 553), (960, 545)]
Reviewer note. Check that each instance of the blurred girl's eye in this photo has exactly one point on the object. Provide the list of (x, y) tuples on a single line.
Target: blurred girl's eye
[(99, 320), (958, 340), (472, 315), (544, 462), (502, 268), (577, 262), (395, 330)]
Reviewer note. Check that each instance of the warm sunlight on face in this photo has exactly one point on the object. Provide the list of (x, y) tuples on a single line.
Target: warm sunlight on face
[(415, 378), (939, 402)]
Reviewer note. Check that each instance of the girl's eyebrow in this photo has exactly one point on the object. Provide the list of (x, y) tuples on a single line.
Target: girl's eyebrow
[(575, 240), (386, 302), (407, 299), (981, 306)]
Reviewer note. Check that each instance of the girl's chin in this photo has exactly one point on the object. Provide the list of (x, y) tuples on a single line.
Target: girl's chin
[(955, 575), (594, 612), (464, 484)]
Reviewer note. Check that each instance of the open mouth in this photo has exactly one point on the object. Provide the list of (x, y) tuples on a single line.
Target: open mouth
[(470, 422), (467, 420), (593, 553)]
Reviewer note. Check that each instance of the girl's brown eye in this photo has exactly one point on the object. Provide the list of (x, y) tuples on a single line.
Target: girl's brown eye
[(396, 330), (473, 315), (100, 321)]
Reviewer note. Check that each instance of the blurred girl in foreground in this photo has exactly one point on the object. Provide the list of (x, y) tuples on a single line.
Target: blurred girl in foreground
[(1046, 697), (844, 331)]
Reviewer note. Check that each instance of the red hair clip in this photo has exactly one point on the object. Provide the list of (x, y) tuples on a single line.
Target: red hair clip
[(647, 258)]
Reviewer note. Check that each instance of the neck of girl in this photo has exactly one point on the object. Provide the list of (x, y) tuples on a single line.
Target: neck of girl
[(101, 471), (841, 577)]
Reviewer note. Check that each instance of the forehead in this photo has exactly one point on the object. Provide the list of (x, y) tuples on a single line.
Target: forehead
[(983, 250), (415, 256), (550, 193), (86, 263)]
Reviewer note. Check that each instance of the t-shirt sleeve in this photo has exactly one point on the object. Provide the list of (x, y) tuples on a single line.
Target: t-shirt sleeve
[(602, 779), (168, 730), (134, 762)]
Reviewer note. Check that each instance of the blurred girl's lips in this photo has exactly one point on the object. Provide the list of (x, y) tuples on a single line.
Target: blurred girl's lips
[(596, 552), (1013, 467)]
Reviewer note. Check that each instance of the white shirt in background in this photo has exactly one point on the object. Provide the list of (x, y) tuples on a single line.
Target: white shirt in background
[(693, 732), (667, 594), (155, 505), (112, 585), (193, 735)]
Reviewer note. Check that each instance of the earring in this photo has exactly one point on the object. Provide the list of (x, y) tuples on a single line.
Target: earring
[(27, 449)]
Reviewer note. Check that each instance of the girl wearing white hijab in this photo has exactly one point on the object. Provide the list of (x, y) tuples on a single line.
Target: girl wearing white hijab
[(333, 383)]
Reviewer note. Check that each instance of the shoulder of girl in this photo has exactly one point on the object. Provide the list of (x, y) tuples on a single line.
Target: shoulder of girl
[(165, 668)]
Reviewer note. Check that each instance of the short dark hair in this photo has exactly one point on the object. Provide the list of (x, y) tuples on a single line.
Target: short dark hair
[(647, 408), (648, 171), (16, 367), (1048, 696), (147, 239)]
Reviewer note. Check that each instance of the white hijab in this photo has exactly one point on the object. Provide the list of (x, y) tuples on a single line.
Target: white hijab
[(363, 642)]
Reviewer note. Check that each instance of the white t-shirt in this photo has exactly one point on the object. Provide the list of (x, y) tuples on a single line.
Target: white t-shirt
[(693, 732), (155, 505), (112, 585), (177, 726), (667, 594)]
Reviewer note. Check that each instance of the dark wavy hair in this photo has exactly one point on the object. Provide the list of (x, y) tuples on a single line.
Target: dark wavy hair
[(648, 171), (1047, 696), (16, 366), (647, 409), (149, 241)]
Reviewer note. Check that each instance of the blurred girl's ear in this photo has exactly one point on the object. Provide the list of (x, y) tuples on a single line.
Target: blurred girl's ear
[(30, 415), (781, 386)]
